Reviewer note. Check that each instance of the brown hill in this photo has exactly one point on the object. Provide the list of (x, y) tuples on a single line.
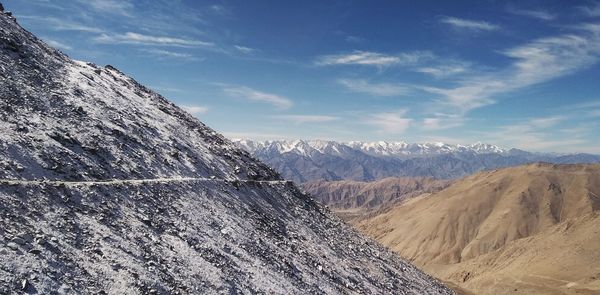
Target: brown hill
[(521, 230), (357, 200), (347, 194)]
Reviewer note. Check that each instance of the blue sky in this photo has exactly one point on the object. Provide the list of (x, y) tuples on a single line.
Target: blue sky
[(523, 74)]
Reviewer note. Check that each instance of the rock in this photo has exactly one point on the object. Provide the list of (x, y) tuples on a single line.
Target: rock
[(35, 251), (40, 239), (27, 237), (18, 240), (147, 221)]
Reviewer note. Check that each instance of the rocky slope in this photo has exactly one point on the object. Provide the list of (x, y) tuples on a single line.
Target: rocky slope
[(531, 229), (314, 160), (108, 188)]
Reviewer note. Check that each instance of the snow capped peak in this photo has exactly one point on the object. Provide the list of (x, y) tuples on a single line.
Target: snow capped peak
[(377, 148)]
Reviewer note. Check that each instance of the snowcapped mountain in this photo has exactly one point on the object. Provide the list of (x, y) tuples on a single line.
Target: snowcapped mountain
[(403, 149), (108, 188), (397, 149), (313, 160)]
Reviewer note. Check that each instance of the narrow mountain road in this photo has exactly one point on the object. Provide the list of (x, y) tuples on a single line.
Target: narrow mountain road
[(135, 181)]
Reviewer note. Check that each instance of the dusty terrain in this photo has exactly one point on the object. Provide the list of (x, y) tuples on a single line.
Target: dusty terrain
[(532, 229)]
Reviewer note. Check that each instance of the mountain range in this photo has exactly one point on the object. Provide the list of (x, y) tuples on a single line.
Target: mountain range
[(106, 187), (350, 199), (314, 160)]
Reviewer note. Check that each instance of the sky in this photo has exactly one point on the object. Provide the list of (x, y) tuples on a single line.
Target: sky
[(521, 74)]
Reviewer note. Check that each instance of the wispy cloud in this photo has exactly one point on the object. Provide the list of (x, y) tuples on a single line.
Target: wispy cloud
[(390, 122), (171, 54), (57, 24), (472, 25), (57, 44), (244, 49), (120, 7), (367, 58), (354, 39), (306, 118), (195, 110), (243, 92), (140, 39), (444, 70), (442, 122), (591, 10), (540, 134), (538, 14), (546, 122), (590, 108), (535, 62), (377, 89), (220, 10)]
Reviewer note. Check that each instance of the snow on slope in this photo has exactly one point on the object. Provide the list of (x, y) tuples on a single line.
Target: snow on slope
[(145, 199), (71, 119)]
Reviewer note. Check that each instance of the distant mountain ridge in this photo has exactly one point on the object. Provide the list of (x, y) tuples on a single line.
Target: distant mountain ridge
[(397, 149), (313, 160), (346, 195)]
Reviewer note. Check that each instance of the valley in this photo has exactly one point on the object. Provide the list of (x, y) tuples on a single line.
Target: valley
[(530, 229)]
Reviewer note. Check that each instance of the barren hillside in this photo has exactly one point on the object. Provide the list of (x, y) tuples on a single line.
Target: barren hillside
[(533, 228)]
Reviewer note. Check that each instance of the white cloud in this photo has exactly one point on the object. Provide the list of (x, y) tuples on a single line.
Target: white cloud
[(140, 39), (442, 122), (378, 89), (367, 58), (538, 14), (195, 110), (444, 70), (390, 122), (57, 44), (535, 62), (472, 25), (171, 54), (298, 119), (244, 49), (121, 7), (278, 101), (57, 24)]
